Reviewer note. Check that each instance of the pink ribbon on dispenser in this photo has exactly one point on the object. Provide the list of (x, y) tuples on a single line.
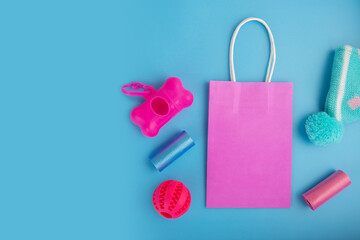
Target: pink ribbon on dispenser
[(326, 189)]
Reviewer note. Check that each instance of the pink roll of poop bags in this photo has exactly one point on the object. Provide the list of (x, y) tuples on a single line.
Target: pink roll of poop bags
[(326, 189)]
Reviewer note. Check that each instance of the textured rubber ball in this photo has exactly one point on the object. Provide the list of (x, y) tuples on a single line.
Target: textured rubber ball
[(171, 199), (323, 130)]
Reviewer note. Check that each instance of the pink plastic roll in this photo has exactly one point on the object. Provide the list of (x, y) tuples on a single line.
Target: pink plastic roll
[(326, 189)]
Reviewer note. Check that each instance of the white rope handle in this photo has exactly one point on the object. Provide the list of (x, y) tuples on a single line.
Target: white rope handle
[(272, 58)]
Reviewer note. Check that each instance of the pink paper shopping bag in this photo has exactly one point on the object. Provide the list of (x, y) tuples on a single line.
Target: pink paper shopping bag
[(249, 140)]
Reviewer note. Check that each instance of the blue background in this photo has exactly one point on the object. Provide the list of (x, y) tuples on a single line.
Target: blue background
[(73, 166)]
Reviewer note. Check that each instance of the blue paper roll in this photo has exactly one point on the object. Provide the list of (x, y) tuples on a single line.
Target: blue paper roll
[(172, 150)]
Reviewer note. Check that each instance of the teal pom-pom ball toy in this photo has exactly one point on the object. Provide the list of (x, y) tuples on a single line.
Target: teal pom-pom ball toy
[(323, 130)]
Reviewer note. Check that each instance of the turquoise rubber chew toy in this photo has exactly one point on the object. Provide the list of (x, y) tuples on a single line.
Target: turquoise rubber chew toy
[(343, 100)]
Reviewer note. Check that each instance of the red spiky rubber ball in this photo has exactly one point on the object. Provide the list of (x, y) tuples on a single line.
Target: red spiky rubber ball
[(171, 199)]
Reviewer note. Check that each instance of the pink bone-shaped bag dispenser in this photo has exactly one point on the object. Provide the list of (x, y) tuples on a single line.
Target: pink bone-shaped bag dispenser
[(159, 106)]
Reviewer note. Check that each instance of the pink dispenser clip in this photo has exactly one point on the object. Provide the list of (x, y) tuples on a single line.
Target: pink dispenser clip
[(159, 106)]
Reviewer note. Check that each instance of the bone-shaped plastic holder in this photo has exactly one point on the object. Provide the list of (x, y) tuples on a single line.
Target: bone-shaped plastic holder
[(159, 106)]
